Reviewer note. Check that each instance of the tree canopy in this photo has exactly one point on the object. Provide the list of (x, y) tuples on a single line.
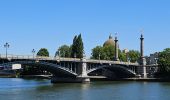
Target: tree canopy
[(104, 53), (107, 53), (164, 62), (133, 55), (64, 51), (43, 52), (97, 52), (77, 47)]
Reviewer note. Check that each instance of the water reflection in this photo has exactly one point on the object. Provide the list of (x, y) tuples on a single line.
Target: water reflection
[(21, 89)]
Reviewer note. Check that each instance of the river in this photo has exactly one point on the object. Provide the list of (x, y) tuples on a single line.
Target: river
[(33, 89)]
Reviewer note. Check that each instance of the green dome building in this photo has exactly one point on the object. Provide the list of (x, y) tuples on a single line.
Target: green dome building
[(110, 41)]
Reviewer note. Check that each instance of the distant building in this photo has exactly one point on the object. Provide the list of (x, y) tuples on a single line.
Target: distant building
[(153, 58), (125, 51)]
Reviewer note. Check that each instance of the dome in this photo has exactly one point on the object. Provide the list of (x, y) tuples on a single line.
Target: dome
[(110, 41)]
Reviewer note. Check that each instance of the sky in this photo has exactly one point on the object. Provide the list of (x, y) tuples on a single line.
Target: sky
[(35, 24)]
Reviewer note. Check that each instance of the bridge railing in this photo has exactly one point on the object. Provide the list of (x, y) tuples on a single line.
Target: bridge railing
[(31, 57), (111, 62), (11, 56)]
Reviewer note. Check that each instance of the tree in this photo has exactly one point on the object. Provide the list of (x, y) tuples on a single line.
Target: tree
[(109, 52), (77, 47), (103, 53), (122, 56), (164, 62), (43, 52), (133, 55), (74, 48), (80, 47), (97, 52), (64, 51)]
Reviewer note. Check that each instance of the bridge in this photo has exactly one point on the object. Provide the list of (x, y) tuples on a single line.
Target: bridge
[(78, 70)]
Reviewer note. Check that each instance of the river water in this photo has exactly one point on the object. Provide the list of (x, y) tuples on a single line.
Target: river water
[(32, 89)]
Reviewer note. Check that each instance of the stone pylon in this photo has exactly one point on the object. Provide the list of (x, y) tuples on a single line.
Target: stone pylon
[(116, 58), (142, 58), (83, 77)]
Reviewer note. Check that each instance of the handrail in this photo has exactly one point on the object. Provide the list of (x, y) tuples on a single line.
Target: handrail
[(31, 57)]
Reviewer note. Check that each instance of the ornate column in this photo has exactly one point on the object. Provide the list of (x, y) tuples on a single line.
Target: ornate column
[(142, 58), (116, 49), (141, 46)]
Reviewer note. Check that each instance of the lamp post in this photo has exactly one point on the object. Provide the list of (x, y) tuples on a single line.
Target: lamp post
[(59, 53), (6, 46), (99, 56), (33, 52), (156, 61), (74, 55), (75, 61)]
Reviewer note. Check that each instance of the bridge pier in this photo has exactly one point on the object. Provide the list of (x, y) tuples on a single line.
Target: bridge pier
[(83, 77)]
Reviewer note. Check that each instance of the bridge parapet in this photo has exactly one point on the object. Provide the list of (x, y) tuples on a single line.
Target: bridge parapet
[(110, 62), (30, 57)]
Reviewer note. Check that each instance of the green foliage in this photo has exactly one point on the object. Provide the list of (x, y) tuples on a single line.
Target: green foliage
[(122, 56), (103, 53), (74, 48), (133, 55), (64, 51), (43, 52), (80, 47), (96, 52), (77, 47), (164, 62), (108, 52)]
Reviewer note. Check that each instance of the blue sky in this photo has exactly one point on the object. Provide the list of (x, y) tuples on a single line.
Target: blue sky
[(28, 24)]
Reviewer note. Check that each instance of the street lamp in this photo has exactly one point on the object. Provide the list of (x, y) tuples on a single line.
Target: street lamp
[(156, 61), (58, 56), (33, 52), (99, 56), (75, 67), (74, 55), (6, 46), (59, 53)]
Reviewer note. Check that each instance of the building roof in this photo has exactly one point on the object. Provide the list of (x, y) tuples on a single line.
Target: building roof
[(110, 41)]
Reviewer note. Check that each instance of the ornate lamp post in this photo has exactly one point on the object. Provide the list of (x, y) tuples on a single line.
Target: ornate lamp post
[(99, 56), (116, 48), (6, 46), (58, 56), (33, 52), (74, 55), (59, 53), (156, 61), (75, 61)]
